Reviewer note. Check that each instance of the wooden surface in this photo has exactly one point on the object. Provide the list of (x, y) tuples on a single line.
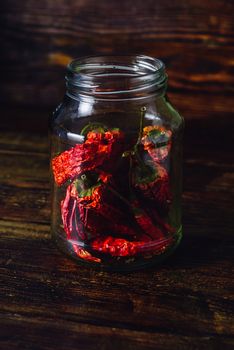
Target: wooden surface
[(46, 301)]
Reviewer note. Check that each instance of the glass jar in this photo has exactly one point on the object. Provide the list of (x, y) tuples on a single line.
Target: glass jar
[(116, 155)]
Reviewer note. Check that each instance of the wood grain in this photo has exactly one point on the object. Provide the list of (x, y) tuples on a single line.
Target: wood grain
[(194, 38), (48, 302)]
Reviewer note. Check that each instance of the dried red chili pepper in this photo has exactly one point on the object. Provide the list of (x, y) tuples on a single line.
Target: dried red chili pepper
[(86, 212), (99, 199), (97, 148), (154, 185), (84, 254), (78, 222), (150, 228), (120, 247), (157, 142), (69, 212), (155, 247), (115, 246)]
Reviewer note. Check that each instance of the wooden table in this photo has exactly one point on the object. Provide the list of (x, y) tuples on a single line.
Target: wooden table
[(48, 302)]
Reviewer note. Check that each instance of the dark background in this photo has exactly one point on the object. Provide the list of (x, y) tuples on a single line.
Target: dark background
[(193, 37), (47, 302)]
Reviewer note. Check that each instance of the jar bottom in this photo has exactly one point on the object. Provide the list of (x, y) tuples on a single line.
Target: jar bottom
[(120, 264)]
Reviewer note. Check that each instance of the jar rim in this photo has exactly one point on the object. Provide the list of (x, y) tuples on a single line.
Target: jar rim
[(120, 74), (153, 64)]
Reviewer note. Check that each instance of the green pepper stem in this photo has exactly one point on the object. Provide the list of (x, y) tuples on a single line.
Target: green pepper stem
[(143, 109)]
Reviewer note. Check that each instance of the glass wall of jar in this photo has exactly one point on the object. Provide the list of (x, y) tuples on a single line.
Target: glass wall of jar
[(116, 153)]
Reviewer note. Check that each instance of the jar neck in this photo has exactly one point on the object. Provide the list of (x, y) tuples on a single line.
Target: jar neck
[(116, 77)]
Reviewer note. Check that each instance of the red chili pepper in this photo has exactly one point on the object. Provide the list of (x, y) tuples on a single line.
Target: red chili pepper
[(120, 247), (155, 247), (98, 201), (90, 215), (78, 221), (90, 221), (115, 246), (72, 226), (149, 227), (157, 189), (157, 141), (84, 254), (98, 148)]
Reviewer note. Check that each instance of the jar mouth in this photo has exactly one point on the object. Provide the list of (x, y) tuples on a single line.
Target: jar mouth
[(123, 76)]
